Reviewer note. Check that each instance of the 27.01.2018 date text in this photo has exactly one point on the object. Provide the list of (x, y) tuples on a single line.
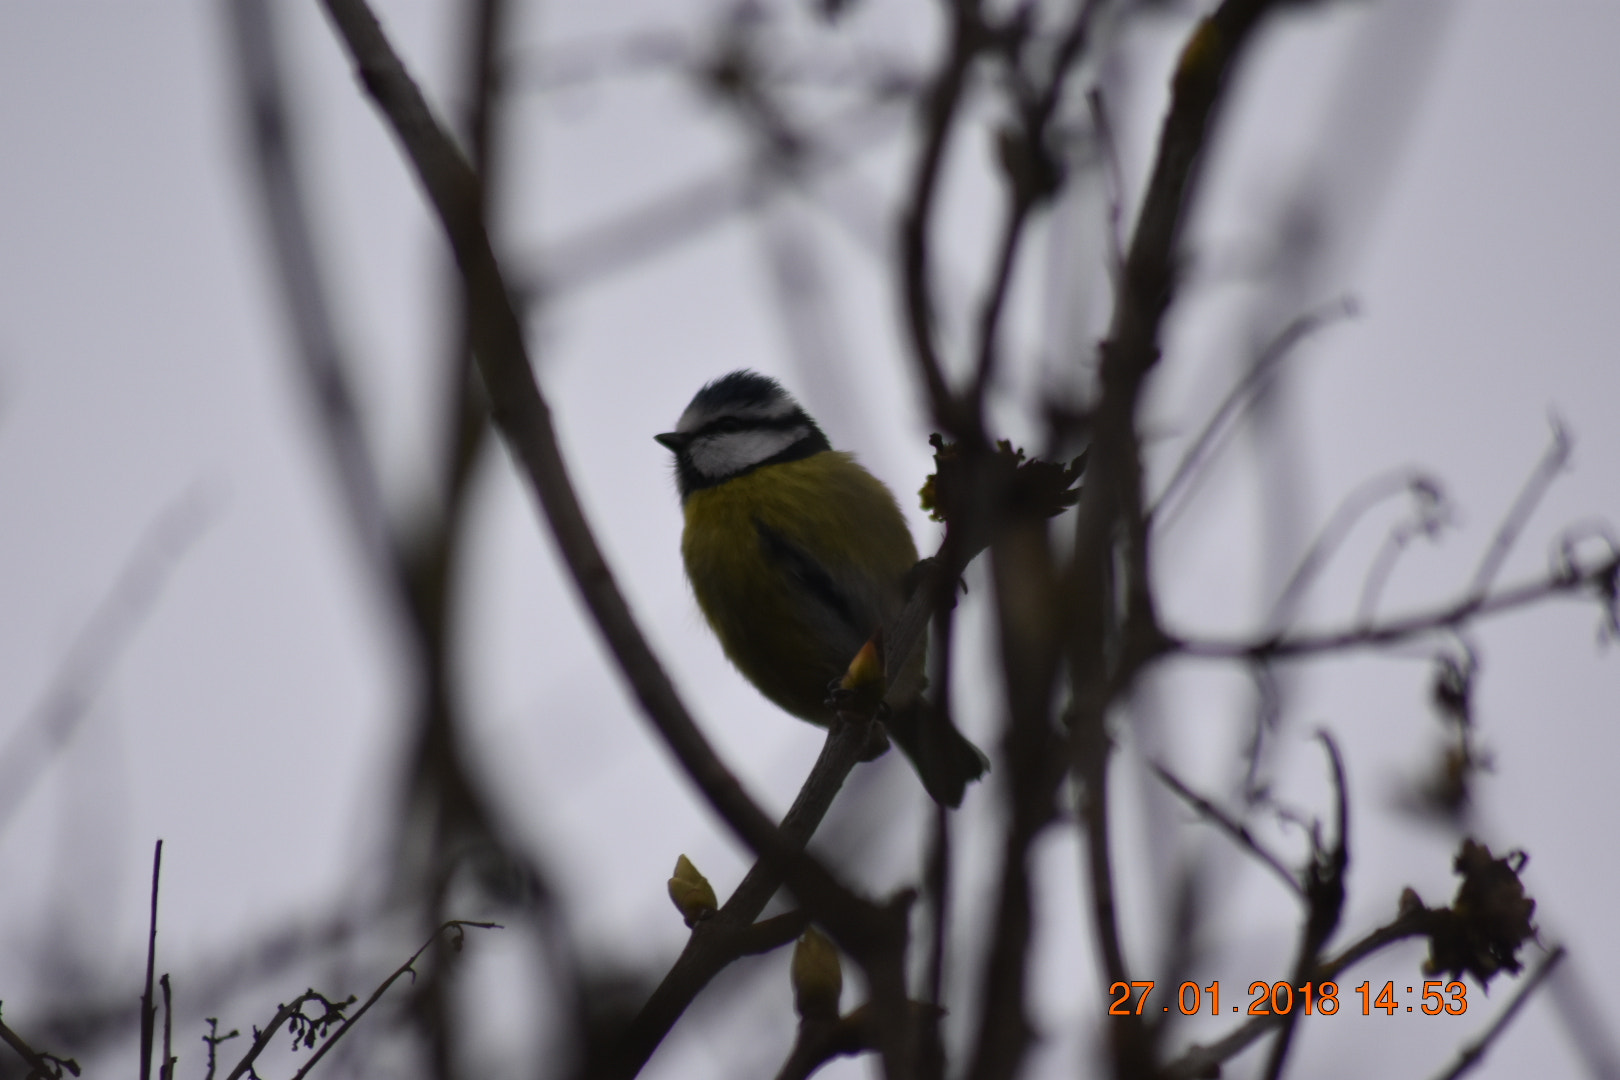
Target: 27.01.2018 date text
[(1280, 998)]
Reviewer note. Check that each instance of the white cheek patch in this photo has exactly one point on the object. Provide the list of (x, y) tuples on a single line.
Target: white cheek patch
[(731, 452)]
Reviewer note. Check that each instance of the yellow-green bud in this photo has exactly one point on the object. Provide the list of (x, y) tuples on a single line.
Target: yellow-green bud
[(691, 892), (818, 980), (865, 672)]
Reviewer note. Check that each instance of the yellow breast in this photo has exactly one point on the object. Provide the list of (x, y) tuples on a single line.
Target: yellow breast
[(795, 566)]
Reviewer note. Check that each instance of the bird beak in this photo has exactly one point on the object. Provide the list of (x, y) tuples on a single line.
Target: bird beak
[(673, 441)]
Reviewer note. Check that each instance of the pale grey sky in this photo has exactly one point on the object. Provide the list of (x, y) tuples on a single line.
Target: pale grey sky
[(252, 720)]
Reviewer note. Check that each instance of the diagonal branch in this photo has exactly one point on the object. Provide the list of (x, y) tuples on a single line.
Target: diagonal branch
[(865, 930), (1238, 831), (1552, 462), (719, 940), (89, 661), (1474, 1052), (40, 1066), (1241, 396)]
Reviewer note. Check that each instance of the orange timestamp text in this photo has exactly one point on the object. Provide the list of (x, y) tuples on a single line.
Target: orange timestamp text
[(1432, 998)]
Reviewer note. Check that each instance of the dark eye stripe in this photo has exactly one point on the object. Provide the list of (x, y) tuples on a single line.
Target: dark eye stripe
[(721, 424)]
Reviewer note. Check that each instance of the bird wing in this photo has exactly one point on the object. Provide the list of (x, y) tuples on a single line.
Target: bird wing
[(836, 608)]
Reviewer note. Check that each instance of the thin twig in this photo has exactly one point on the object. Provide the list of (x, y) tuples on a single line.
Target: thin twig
[(1324, 893), (1541, 478), (1243, 394), (299, 274), (1231, 826), (1114, 179), (930, 1048), (1582, 1016), (939, 112), (1012, 233), (1474, 1052), (166, 1070), (1332, 536), (1201, 1060), (39, 1065), (1432, 514), (261, 1039), (148, 1009), (1032, 177), (596, 251), (1563, 580), (457, 926), (213, 1039), (89, 661)]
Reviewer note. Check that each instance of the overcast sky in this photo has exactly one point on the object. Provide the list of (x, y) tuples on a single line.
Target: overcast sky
[(149, 402)]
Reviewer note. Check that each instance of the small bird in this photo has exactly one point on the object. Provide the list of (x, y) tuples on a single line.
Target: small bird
[(798, 556)]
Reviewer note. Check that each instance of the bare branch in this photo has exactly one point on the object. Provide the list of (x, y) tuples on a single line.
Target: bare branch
[(1432, 514), (1474, 1051), (597, 250), (1324, 894), (1032, 176), (76, 684), (524, 420), (298, 271), (1552, 462), (719, 940), (148, 1009), (40, 1066), (1563, 580), (292, 1013), (166, 1070), (1422, 487), (944, 99), (1229, 825), (1199, 1060), (456, 927), (1239, 398)]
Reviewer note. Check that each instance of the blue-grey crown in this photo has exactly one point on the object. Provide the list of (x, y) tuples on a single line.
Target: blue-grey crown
[(741, 402), (736, 391)]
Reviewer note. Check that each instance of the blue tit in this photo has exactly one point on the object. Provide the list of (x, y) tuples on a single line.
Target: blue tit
[(797, 556)]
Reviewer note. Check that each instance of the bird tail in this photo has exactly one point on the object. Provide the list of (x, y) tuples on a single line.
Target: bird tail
[(943, 757)]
